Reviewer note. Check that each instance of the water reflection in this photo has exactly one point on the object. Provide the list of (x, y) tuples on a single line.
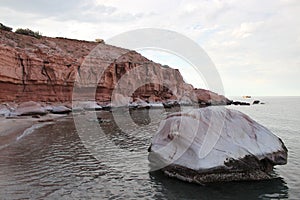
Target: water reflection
[(175, 189)]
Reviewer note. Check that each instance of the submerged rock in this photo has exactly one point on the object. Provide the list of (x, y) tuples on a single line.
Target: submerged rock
[(215, 144)]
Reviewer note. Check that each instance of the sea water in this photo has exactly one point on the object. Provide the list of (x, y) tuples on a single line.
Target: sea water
[(56, 161)]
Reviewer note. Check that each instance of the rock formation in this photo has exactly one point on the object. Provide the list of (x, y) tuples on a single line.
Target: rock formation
[(215, 144), (47, 69)]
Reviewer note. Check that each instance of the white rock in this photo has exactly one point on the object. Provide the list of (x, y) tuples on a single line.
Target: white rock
[(29, 108), (210, 138), (60, 110), (48, 108), (4, 110), (87, 105), (156, 105)]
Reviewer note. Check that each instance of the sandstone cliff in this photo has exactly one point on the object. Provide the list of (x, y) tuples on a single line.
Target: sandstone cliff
[(48, 69)]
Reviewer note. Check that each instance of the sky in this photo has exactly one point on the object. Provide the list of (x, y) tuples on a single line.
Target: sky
[(254, 44)]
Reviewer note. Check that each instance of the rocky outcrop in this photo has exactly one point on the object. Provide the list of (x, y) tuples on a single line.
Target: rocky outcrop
[(240, 103), (210, 98), (215, 144), (49, 69)]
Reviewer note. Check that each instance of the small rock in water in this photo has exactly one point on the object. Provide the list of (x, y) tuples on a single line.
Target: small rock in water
[(256, 102), (240, 103), (215, 144), (171, 104), (60, 110)]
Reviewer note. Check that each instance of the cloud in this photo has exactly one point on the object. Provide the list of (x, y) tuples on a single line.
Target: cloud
[(247, 29), (189, 73), (42, 7), (253, 43)]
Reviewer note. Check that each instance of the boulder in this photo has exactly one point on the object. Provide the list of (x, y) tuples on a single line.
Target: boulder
[(215, 144), (87, 105), (156, 105), (30, 108), (49, 108), (60, 110), (171, 104), (141, 104), (256, 102), (4, 110)]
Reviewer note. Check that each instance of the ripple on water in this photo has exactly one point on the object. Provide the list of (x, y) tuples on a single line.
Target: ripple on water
[(54, 163)]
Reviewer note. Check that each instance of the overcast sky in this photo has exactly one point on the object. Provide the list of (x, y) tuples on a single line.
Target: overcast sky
[(255, 44)]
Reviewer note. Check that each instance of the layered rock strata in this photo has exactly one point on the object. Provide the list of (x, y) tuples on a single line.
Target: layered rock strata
[(48, 70)]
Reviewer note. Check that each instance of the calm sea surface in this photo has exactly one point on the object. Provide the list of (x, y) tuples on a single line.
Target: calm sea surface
[(55, 161)]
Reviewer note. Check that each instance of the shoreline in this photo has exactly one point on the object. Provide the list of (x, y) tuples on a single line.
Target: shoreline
[(13, 129), (13, 126)]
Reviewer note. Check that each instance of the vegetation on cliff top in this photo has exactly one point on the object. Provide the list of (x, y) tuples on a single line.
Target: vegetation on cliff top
[(5, 28), (29, 32), (22, 31)]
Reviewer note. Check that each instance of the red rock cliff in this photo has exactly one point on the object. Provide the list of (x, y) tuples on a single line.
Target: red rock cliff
[(47, 69)]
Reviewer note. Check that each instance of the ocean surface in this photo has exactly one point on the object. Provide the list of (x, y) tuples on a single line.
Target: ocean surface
[(68, 160)]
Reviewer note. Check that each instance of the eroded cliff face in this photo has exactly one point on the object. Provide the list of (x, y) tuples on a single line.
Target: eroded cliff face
[(39, 69), (48, 69)]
